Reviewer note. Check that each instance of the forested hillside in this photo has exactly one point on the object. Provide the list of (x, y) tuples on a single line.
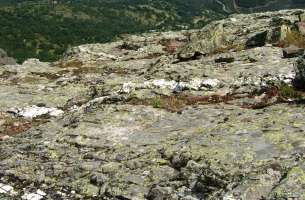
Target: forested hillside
[(46, 28)]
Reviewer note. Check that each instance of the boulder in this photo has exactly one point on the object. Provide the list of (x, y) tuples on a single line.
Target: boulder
[(257, 39), (292, 51), (299, 67), (244, 32)]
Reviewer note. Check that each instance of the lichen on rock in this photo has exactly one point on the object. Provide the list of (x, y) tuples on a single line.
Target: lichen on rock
[(199, 114)]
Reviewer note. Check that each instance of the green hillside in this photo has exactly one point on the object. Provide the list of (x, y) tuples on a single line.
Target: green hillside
[(44, 28)]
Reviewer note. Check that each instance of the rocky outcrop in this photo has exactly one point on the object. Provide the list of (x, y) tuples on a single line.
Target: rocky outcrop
[(5, 59), (240, 32), (299, 80), (292, 51), (129, 120)]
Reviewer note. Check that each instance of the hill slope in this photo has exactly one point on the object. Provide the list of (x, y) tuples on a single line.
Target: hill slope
[(45, 29)]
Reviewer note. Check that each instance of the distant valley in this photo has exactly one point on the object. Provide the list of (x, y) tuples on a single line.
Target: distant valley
[(44, 29)]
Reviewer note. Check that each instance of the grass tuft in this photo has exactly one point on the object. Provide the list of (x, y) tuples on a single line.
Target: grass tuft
[(288, 92), (156, 102)]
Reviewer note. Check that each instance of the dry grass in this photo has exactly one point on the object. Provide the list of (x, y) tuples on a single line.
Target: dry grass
[(272, 95), (11, 126), (293, 38), (281, 94), (74, 63), (288, 92), (228, 48), (177, 103)]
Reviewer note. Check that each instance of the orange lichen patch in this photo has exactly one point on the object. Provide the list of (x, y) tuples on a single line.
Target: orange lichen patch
[(17, 127), (210, 99), (176, 103), (268, 97), (10, 126), (273, 95)]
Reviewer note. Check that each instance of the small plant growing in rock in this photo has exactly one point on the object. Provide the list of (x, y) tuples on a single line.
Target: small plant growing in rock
[(288, 92), (171, 103), (156, 102)]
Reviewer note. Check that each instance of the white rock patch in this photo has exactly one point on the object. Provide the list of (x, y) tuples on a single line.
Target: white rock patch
[(35, 111), (32, 196), (210, 83), (287, 78), (127, 87), (195, 84), (7, 189), (263, 80), (41, 193), (161, 83), (229, 197), (233, 19)]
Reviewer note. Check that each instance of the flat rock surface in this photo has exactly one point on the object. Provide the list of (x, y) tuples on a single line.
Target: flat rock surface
[(131, 120)]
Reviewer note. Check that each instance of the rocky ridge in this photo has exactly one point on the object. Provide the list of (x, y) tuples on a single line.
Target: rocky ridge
[(201, 114)]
